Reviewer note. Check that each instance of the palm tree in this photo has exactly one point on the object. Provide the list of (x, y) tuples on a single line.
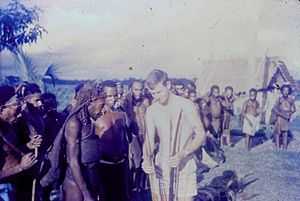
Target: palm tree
[(19, 26)]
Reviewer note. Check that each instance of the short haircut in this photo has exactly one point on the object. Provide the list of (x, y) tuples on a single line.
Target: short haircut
[(228, 88), (88, 92), (286, 86), (155, 77), (214, 87), (135, 81), (252, 90)]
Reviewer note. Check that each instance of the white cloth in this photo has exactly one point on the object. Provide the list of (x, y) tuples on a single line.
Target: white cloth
[(250, 124), (162, 120)]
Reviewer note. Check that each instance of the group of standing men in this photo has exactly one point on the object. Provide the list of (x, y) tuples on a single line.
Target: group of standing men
[(110, 146)]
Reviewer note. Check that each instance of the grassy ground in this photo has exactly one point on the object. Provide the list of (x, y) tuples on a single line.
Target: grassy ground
[(272, 175)]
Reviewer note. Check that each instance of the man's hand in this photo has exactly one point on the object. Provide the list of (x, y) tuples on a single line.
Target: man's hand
[(35, 142), (27, 161), (148, 167), (177, 159)]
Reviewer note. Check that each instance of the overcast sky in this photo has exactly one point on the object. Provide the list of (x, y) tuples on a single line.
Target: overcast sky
[(173, 34)]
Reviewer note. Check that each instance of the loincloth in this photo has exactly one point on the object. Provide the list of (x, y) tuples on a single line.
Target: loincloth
[(250, 128)]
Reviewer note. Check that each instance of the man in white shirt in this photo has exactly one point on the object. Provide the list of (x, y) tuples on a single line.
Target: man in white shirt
[(171, 121)]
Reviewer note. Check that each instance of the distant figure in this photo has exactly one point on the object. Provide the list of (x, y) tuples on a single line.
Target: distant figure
[(179, 88), (203, 112), (228, 100), (250, 117), (283, 110), (193, 95), (120, 97), (214, 103)]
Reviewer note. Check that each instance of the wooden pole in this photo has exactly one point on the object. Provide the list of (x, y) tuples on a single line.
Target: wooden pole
[(265, 85), (152, 175), (174, 175), (33, 192), (33, 133)]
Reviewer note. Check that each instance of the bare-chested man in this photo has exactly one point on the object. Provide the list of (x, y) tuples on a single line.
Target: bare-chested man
[(13, 159), (214, 103), (250, 117), (227, 102), (171, 118), (203, 112), (81, 182), (112, 131), (283, 109), (30, 126), (135, 106)]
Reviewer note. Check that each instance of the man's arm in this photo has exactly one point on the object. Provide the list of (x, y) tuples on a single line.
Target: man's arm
[(148, 147), (293, 107), (244, 108), (27, 161), (73, 152), (199, 135)]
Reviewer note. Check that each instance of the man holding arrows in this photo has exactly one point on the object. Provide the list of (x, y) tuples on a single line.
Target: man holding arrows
[(174, 132)]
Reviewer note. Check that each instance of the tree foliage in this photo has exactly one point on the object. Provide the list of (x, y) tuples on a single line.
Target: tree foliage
[(19, 25)]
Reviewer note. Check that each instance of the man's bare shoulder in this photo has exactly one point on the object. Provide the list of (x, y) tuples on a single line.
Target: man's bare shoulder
[(72, 126), (72, 122), (183, 102)]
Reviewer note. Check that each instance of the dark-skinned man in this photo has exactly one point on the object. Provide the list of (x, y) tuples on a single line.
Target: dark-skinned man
[(13, 160), (111, 128)]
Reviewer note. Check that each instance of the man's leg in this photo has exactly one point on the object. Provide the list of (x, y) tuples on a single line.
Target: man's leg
[(285, 139), (249, 142), (228, 136), (246, 141), (92, 176), (71, 191), (277, 141)]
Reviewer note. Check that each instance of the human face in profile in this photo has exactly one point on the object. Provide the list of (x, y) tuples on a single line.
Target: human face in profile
[(35, 100), (95, 107)]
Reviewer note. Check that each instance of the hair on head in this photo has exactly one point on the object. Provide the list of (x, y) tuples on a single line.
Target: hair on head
[(155, 77)]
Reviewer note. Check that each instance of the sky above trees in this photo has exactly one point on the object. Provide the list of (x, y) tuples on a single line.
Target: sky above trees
[(171, 34)]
